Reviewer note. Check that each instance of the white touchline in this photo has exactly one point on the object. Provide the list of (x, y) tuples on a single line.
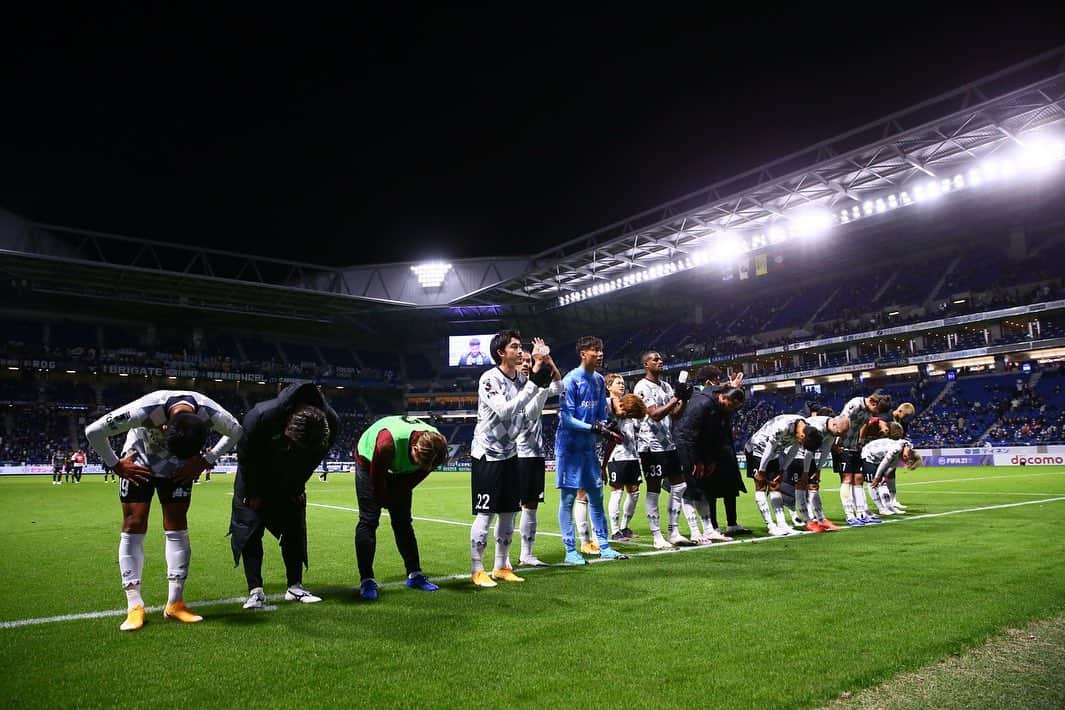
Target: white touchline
[(907, 484), (758, 540), (447, 522)]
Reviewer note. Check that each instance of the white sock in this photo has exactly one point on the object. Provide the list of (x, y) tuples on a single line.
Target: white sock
[(527, 527), (861, 505), (130, 564), (504, 535), (676, 503), (885, 496), (650, 504), (614, 509), (892, 490), (178, 554), (777, 501), (763, 507), (817, 511), (629, 508), (692, 516), (580, 519), (702, 507), (802, 506), (479, 540), (847, 499)]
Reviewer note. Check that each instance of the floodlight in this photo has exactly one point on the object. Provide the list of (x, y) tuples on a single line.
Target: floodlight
[(431, 274)]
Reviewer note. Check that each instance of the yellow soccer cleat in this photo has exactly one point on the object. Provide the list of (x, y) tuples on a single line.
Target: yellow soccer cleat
[(179, 611), (506, 574), (481, 579), (134, 619), (590, 548)]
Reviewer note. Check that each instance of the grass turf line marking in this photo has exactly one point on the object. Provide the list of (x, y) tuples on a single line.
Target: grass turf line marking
[(274, 597), (448, 522)]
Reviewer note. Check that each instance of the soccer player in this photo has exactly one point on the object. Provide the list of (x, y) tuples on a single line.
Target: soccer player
[(582, 417), (78, 461), (531, 469), (162, 455), (882, 456), (58, 459), (808, 482), (621, 461), (502, 395), (847, 459), (778, 439), (393, 456), (704, 445), (284, 439), (658, 453)]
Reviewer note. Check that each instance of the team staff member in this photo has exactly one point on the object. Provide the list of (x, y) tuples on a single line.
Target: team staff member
[(284, 440)]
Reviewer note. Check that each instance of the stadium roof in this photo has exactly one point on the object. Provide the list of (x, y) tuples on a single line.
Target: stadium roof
[(871, 168)]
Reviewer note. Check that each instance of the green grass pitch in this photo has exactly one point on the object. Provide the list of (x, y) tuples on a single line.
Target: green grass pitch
[(777, 623)]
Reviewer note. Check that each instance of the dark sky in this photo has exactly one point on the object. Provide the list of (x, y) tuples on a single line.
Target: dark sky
[(367, 138)]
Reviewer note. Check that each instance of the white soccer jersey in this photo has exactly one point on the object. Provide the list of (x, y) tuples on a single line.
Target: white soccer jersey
[(821, 424), (655, 436), (143, 418), (776, 437), (885, 452), (531, 438), (501, 403), (859, 414), (627, 450)]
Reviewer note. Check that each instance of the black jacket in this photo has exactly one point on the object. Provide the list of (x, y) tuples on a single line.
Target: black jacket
[(266, 466), (269, 470), (703, 434)]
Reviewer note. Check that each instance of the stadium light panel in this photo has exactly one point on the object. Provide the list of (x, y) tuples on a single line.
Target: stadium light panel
[(1037, 155), (431, 274)]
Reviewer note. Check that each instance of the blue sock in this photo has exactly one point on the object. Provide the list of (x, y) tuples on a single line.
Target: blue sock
[(595, 509), (565, 517)]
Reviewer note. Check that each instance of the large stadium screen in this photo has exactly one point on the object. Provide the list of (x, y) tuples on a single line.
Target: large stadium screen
[(469, 350)]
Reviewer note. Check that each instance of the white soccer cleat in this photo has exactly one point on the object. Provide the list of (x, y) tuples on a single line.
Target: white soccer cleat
[(256, 599), (780, 531), (896, 504), (296, 593), (678, 540), (661, 543), (532, 561), (898, 510), (715, 536)]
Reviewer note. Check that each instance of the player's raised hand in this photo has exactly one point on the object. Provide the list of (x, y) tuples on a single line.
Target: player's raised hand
[(130, 470)]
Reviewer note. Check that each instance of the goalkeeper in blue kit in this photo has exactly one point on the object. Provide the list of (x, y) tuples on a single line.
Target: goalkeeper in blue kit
[(582, 417)]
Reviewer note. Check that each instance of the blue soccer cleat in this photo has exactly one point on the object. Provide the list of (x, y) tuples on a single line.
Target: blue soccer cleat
[(420, 581), (609, 553), (871, 520), (368, 590), (574, 558), (855, 522)]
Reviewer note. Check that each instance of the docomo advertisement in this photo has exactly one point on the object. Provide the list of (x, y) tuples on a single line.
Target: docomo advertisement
[(995, 456)]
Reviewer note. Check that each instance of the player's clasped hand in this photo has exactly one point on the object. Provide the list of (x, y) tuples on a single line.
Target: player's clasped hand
[(130, 470), (190, 469), (683, 391), (599, 430)]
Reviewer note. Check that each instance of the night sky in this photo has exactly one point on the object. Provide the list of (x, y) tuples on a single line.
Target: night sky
[(452, 132)]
